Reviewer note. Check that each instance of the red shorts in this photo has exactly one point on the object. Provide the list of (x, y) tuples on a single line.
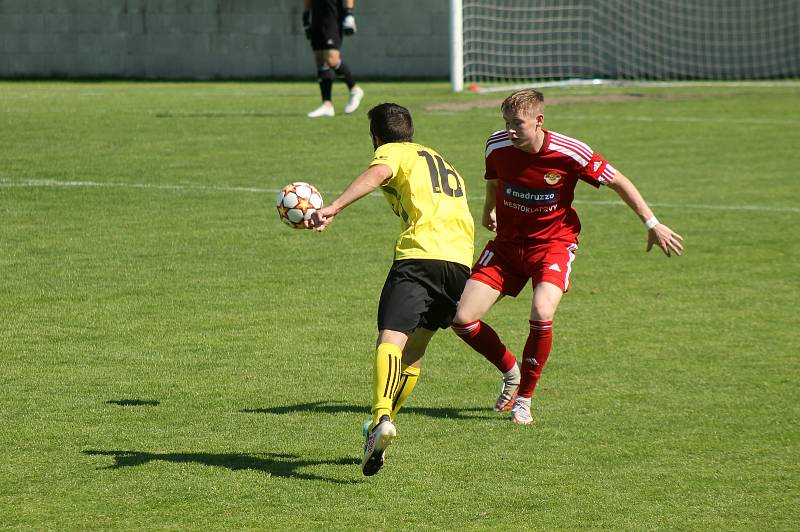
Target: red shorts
[(507, 266)]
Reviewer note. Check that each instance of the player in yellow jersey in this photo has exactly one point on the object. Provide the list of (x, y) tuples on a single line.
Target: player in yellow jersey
[(432, 261)]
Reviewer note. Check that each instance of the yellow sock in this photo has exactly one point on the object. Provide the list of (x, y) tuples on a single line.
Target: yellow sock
[(408, 379), (385, 380)]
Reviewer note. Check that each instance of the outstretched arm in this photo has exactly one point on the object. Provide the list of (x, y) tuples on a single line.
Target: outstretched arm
[(657, 233), (367, 182)]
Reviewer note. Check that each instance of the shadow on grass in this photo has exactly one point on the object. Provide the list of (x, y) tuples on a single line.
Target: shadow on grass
[(337, 407), (274, 464)]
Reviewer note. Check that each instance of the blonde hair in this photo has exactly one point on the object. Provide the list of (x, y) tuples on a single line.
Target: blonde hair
[(523, 100)]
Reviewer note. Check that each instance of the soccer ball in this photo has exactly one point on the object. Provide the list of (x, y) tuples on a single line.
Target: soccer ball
[(297, 202)]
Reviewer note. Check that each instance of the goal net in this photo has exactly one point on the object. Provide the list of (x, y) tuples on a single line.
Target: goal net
[(514, 42)]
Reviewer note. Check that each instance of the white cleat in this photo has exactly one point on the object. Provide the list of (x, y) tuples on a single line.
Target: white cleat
[(508, 389), (375, 444), (354, 101), (521, 411), (323, 110)]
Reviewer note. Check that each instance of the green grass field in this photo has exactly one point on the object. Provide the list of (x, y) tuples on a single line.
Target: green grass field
[(173, 357)]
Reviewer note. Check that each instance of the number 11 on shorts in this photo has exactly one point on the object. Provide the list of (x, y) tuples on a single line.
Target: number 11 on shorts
[(486, 257)]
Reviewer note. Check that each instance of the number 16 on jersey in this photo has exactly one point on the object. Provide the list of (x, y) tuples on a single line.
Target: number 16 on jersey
[(440, 175)]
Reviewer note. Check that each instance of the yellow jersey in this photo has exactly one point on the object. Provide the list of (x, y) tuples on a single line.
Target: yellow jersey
[(429, 196)]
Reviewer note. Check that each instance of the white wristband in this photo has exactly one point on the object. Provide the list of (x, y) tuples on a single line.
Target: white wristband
[(651, 222)]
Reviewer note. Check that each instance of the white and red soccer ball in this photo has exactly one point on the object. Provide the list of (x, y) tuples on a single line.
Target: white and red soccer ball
[(297, 202)]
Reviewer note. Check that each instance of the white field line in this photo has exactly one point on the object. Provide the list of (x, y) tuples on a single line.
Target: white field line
[(679, 119), (4, 183), (653, 119), (53, 183), (618, 83)]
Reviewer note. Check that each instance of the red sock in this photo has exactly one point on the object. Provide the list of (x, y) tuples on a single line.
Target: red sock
[(537, 349), (482, 338)]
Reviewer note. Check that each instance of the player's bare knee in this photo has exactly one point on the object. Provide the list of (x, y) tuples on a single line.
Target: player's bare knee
[(392, 337), (543, 311), (463, 317), (333, 58)]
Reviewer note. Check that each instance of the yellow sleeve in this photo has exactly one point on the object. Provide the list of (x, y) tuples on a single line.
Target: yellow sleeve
[(389, 155)]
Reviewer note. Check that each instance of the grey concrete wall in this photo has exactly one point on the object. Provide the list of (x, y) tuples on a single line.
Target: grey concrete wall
[(208, 39)]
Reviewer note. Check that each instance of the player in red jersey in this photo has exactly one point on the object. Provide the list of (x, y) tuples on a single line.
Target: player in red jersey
[(531, 175)]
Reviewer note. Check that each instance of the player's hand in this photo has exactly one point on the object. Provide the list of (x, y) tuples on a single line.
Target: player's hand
[(668, 240), (321, 218), (349, 23), (307, 24), (489, 220)]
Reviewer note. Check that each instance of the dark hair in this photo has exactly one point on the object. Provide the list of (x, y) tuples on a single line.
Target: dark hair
[(391, 123)]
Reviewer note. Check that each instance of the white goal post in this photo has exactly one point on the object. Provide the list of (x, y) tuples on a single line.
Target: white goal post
[(497, 43)]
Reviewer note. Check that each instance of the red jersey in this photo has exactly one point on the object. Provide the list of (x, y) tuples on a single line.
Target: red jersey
[(535, 190)]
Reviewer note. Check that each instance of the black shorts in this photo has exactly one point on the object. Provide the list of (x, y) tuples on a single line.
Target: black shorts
[(421, 293), (326, 34)]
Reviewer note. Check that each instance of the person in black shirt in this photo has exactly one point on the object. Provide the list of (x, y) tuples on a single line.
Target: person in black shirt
[(325, 22)]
